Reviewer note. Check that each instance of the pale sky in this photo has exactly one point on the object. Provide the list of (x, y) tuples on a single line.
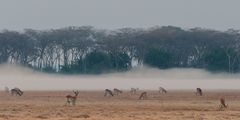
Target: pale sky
[(112, 14)]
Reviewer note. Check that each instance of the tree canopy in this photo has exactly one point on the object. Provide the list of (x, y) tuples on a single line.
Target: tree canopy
[(88, 50)]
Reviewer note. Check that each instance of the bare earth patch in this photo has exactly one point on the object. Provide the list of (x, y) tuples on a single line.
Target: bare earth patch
[(92, 105)]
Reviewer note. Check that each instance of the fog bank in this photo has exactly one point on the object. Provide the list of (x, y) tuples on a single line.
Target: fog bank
[(144, 78)]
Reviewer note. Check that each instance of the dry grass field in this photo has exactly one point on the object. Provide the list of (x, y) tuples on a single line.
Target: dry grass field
[(92, 105)]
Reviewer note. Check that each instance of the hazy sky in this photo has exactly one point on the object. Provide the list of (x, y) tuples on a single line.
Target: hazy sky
[(111, 14)]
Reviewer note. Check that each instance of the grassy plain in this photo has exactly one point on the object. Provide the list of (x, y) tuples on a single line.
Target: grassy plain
[(92, 105)]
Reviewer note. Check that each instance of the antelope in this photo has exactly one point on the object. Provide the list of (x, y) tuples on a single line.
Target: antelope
[(162, 90), (116, 91), (199, 92), (108, 92), (143, 96), (222, 103), (72, 99), (16, 91), (134, 91)]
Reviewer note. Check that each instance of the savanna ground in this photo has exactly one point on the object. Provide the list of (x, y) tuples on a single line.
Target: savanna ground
[(92, 105)]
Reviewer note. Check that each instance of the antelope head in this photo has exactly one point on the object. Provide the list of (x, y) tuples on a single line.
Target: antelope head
[(76, 92)]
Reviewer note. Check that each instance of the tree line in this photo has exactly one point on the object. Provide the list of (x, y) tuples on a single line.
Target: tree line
[(88, 50)]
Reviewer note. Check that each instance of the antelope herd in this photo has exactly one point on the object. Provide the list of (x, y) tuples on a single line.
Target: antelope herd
[(71, 99)]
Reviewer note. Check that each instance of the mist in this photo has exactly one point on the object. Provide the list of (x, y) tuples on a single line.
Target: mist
[(143, 78)]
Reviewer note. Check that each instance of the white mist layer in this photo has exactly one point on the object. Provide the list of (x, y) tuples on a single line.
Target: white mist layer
[(143, 78)]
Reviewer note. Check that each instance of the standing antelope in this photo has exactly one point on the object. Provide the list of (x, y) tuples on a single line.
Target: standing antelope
[(134, 91), (116, 91), (72, 99), (16, 91), (143, 96), (199, 92), (162, 90), (108, 92)]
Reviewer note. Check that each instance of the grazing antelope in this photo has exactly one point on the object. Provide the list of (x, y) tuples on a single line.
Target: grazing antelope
[(222, 103), (117, 91), (143, 96), (16, 91), (162, 90), (72, 99), (134, 91), (199, 92), (108, 93)]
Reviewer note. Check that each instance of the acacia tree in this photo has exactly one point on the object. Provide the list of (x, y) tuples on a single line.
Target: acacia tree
[(217, 60), (158, 58), (163, 47), (5, 47)]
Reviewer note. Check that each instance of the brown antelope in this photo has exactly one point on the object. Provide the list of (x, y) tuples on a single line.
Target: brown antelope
[(199, 91), (222, 103), (16, 91), (162, 90), (72, 99), (108, 93), (143, 96), (134, 91), (117, 91)]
